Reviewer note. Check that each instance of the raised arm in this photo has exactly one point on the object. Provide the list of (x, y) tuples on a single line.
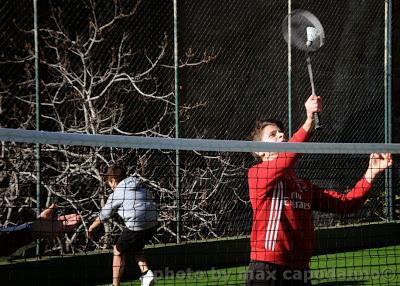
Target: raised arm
[(276, 164), (313, 104)]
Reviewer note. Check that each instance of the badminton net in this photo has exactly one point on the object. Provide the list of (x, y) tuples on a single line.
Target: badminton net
[(200, 186)]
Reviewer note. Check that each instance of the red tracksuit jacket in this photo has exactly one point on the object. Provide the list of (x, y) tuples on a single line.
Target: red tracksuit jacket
[(283, 229)]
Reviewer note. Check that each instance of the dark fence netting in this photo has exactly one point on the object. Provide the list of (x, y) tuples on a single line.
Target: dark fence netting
[(248, 78), (107, 67), (103, 67), (17, 65)]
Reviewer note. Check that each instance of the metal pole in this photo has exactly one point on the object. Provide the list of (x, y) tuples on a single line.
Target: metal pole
[(388, 104), (177, 162), (289, 68), (37, 101)]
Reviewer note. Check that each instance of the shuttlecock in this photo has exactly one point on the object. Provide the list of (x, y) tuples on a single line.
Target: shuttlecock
[(312, 35)]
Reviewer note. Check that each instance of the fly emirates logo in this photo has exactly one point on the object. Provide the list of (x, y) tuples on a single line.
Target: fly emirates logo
[(295, 201)]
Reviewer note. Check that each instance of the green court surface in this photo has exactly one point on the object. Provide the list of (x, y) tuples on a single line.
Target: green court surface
[(377, 266)]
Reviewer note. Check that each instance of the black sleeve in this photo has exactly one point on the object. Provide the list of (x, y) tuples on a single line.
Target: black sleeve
[(12, 238)]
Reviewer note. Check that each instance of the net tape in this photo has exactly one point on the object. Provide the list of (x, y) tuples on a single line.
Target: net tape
[(137, 142)]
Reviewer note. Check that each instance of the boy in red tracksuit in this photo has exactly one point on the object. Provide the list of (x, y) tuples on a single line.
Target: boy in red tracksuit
[(282, 236)]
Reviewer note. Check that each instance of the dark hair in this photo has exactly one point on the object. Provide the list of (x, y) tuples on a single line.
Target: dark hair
[(116, 172), (260, 124)]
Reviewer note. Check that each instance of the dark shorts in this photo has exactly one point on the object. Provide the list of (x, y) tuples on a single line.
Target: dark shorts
[(133, 242), (269, 274)]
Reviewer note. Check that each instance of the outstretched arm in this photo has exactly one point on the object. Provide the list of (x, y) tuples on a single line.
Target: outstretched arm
[(378, 162), (332, 201), (114, 201), (46, 226)]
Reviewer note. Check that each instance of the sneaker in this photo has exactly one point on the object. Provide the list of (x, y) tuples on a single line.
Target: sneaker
[(147, 279)]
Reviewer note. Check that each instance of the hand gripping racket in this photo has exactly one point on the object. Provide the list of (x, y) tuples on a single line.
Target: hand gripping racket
[(307, 34)]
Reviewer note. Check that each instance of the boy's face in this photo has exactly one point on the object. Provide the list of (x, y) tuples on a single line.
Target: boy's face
[(272, 134)]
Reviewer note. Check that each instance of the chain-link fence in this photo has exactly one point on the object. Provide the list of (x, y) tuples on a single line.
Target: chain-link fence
[(107, 67)]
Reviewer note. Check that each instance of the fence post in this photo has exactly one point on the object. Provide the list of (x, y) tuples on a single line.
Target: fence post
[(37, 102), (388, 105), (177, 162), (289, 46)]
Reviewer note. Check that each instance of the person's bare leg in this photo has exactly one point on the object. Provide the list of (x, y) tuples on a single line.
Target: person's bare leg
[(118, 266)]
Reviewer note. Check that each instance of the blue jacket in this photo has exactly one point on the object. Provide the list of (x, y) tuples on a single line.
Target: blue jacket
[(134, 204)]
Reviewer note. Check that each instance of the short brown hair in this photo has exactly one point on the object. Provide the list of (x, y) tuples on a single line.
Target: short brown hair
[(260, 125), (116, 172)]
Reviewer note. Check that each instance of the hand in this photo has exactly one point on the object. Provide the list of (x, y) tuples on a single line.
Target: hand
[(90, 232), (378, 162), (313, 104), (93, 226), (48, 226)]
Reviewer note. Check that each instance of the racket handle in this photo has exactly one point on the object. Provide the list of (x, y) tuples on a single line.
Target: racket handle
[(317, 121)]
